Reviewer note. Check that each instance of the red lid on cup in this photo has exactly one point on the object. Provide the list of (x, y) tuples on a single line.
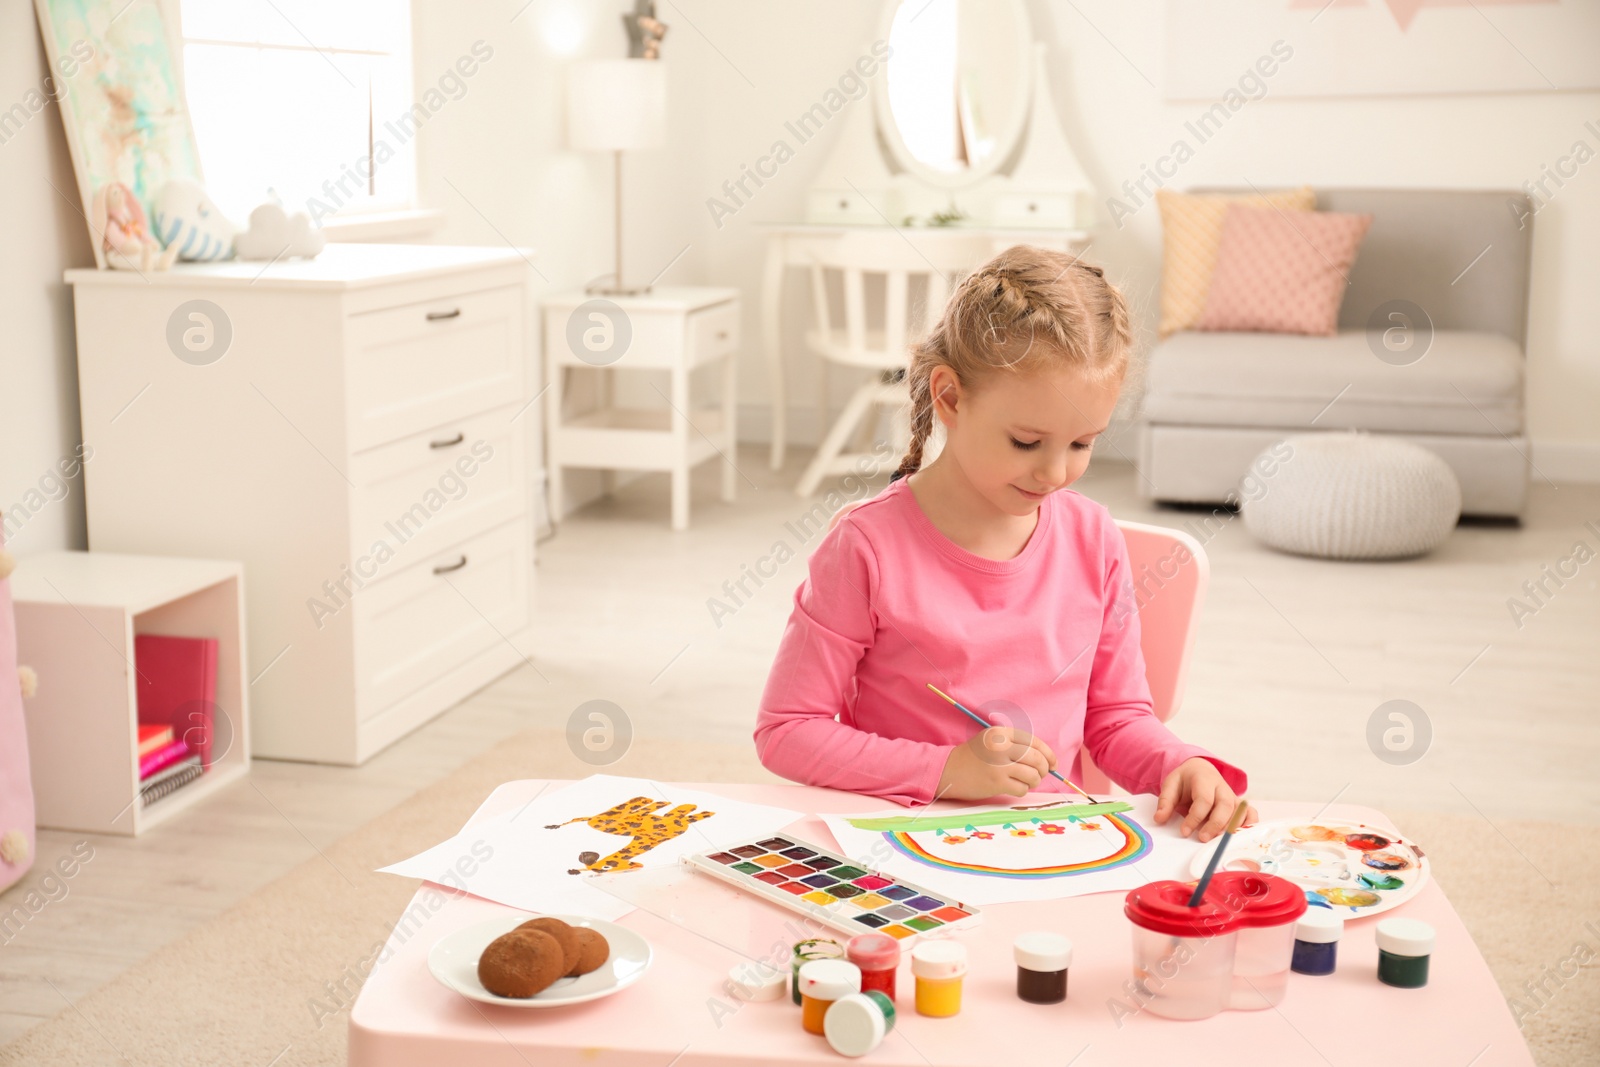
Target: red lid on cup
[(1164, 907), (1260, 899)]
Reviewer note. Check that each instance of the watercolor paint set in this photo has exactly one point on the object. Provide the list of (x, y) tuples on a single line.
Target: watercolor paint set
[(833, 889)]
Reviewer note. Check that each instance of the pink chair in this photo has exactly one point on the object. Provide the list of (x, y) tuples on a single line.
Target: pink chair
[(1169, 571)]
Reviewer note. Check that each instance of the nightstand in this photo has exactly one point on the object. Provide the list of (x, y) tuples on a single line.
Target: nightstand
[(675, 329)]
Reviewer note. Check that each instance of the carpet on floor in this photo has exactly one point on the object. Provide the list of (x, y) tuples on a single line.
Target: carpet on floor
[(271, 980)]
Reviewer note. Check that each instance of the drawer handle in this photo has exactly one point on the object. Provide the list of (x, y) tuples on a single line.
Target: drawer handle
[(451, 443), (440, 316), (448, 567), (722, 335)]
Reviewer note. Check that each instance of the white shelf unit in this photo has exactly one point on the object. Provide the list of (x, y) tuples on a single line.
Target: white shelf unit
[(378, 395), (77, 616), (676, 329)]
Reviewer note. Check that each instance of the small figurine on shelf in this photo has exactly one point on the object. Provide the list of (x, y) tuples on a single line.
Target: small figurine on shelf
[(119, 223), (186, 219), (644, 31), (274, 234)]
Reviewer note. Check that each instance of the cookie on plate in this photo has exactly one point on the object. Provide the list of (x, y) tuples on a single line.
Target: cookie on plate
[(521, 964), (566, 936), (593, 951)]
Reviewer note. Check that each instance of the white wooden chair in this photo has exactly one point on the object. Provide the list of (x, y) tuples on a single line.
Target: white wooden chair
[(876, 339)]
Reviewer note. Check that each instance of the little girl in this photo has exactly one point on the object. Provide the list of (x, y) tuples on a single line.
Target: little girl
[(981, 574)]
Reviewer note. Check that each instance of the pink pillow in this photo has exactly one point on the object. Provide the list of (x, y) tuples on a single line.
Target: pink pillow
[(1282, 271)]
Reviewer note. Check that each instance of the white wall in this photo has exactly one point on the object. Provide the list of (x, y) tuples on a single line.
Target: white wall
[(38, 364), (497, 160)]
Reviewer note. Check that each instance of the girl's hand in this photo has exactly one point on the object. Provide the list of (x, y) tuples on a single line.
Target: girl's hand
[(1197, 788), (999, 761)]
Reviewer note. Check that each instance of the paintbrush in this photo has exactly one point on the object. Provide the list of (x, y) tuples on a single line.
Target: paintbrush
[(1222, 844), (981, 721)]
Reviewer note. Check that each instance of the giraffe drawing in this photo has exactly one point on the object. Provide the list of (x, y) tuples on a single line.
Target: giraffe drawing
[(638, 820)]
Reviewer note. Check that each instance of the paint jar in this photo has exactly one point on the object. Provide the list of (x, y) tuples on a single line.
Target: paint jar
[(878, 956), (819, 948), (939, 967), (1404, 946), (821, 983), (1268, 908), (1042, 962), (1316, 941), (857, 1023), (1182, 956)]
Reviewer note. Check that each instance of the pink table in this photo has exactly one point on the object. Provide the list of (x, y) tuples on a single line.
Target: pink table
[(679, 1014)]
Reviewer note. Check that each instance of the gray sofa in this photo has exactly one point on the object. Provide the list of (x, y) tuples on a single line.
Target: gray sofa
[(1213, 401)]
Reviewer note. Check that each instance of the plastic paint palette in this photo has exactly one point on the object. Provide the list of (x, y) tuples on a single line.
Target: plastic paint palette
[(834, 890), (1351, 868)]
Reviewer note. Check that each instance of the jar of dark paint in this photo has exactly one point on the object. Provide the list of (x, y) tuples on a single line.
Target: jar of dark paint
[(1316, 941), (1404, 947), (1042, 962)]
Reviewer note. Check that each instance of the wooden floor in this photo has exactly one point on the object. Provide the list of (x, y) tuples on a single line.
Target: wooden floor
[(1293, 658)]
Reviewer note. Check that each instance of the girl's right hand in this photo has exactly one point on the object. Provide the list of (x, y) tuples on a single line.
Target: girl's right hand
[(999, 761)]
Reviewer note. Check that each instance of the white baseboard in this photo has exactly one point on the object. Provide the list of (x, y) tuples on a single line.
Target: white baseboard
[(1568, 461)]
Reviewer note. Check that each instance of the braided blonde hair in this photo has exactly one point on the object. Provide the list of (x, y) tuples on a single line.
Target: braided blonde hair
[(1026, 308)]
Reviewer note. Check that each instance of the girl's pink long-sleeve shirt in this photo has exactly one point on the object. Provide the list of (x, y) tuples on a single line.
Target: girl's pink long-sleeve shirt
[(1047, 638)]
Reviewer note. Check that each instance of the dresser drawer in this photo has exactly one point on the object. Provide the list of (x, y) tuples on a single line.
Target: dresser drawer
[(419, 365), (424, 621), (417, 496), (713, 332)]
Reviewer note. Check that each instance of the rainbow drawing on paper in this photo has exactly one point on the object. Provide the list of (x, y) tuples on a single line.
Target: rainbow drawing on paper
[(1053, 841)]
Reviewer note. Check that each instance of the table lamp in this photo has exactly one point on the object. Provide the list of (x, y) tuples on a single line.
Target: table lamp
[(617, 105)]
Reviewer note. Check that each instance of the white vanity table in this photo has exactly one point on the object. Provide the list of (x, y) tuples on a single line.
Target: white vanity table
[(961, 121)]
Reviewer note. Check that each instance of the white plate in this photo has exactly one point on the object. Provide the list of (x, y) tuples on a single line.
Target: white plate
[(454, 962), (1334, 875)]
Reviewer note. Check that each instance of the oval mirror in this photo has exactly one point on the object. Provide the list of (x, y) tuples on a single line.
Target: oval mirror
[(953, 99)]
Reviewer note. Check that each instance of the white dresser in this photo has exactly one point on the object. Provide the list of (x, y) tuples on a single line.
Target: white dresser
[(360, 431)]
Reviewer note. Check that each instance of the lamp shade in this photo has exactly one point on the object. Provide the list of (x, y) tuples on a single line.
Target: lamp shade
[(617, 104)]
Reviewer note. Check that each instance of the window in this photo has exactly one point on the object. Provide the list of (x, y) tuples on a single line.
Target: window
[(302, 100)]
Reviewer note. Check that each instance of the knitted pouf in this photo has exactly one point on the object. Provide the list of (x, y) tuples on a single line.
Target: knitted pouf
[(1352, 496)]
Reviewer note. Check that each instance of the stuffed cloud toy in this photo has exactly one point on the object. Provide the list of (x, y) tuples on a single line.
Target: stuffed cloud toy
[(274, 234), (186, 218)]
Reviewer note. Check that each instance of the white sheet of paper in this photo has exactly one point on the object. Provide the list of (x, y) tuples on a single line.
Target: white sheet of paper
[(1169, 855), (518, 860)]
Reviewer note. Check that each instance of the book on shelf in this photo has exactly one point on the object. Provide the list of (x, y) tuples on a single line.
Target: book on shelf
[(168, 772), (153, 737), (166, 782), (161, 758), (178, 687)]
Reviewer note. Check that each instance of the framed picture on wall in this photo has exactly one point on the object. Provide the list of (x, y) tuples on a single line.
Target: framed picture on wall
[(1378, 47), (120, 90)]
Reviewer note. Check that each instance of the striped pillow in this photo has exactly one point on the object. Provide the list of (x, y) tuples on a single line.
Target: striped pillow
[(1282, 271), (1191, 228)]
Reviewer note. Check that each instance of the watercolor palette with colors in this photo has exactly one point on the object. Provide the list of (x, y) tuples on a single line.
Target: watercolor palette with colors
[(834, 890)]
